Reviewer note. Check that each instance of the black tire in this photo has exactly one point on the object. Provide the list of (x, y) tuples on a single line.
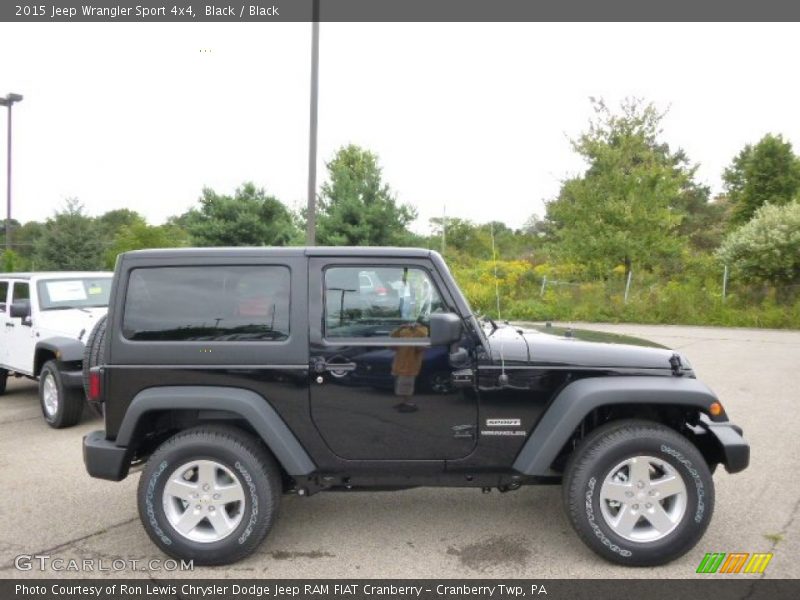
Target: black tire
[(92, 355), (599, 454), (69, 402), (246, 458), (3, 380)]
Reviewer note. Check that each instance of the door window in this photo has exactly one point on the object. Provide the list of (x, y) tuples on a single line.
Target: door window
[(3, 295), (20, 291), (374, 302)]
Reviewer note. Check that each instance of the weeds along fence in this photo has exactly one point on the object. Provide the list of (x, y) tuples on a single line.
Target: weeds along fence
[(691, 299)]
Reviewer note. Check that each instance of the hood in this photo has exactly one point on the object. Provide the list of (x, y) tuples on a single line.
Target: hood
[(558, 347), (68, 323)]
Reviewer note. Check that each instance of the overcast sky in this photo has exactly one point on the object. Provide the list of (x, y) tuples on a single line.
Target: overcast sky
[(474, 116)]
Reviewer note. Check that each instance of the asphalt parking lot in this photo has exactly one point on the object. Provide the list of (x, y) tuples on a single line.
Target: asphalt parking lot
[(51, 507)]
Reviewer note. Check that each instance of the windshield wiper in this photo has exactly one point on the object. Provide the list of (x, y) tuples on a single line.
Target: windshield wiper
[(67, 308)]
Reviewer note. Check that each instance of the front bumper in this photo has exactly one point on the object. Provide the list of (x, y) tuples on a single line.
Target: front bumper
[(103, 458), (734, 450)]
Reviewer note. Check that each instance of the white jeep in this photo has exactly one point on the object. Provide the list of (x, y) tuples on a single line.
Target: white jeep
[(47, 318)]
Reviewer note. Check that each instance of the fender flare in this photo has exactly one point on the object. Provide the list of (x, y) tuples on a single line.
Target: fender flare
[(579, 398), (252, 407), (66, 349)]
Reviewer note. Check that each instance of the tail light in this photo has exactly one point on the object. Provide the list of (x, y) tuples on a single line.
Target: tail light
[(381, 291), (95, 384)]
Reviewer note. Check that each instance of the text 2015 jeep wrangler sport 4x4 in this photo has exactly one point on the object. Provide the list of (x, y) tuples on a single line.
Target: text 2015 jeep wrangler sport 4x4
[(238, 375)]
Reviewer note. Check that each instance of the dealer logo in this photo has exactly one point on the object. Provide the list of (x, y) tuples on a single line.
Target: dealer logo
[(735, 562)]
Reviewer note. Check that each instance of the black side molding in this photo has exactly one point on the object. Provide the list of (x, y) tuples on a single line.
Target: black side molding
[(247, 404), (67, 349), (581, 397)]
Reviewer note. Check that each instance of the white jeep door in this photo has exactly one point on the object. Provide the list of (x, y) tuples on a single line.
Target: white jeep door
[(20, 340), (3, 318)]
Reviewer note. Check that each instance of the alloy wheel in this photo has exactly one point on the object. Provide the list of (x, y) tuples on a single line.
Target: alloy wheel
[(204, 501), (50, 395), (643, 499)]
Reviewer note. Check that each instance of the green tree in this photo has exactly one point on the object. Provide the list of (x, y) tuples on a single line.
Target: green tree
[(71, 241), (766, 248), (538, 227), (10, 262), (24, 241), (140, 235), (465, 241), (248, 218), (462, 237), (704, 222), (14, 228), (113, 221), (510, 243), (355, 206), (767, 173), (625, 208)]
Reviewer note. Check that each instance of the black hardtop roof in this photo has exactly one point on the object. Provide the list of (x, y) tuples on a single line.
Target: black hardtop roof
[(255, 251)]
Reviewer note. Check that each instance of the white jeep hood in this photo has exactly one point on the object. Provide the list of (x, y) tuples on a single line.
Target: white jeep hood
[(68, 323)]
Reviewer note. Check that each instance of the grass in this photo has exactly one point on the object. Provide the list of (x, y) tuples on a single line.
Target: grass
[(684, 299)]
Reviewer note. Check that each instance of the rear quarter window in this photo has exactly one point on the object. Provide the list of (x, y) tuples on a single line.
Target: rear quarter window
[(209, 303)]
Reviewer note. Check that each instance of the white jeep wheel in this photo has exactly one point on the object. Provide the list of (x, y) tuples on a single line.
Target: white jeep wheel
[(50, 396), (61, 405)]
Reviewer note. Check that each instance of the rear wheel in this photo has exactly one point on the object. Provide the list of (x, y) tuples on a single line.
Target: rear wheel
[(92, 355), (61, 406), (209, 494), (3, 380), (638, 493)]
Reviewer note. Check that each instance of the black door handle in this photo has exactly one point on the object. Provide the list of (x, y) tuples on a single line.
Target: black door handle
[(9, 324), (320, 365), (348, 366)]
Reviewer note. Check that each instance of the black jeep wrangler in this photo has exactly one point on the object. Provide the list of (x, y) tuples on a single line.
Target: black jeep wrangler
[(237, 375)]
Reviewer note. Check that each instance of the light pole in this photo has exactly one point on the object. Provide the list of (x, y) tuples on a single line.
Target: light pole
[(8, 102), (311, 216)]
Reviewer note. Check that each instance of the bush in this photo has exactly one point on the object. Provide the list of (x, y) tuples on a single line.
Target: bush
[(10, 261), (693, 297), (766, 249)]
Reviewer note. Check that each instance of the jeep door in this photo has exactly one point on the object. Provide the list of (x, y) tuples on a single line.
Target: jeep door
[(4, 284), (20, 340), (378, 389)]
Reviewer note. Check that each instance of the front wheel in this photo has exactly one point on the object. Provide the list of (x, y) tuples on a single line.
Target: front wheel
[(61, 406), (209, 494), (638, 493)]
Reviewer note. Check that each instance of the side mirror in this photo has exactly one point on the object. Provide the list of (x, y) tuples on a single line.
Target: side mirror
[(21, 309), (446, 329)]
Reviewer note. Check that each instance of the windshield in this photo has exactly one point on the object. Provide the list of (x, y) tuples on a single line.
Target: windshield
[(80, 292)]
